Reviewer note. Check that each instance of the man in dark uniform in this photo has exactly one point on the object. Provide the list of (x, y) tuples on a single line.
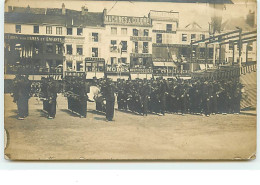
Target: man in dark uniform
[(144, 93), (22, 88), (109, 91), (52, 97)]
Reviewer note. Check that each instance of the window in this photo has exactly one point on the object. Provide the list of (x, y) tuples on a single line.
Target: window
[(48, 30), (136, 47), (36, 48), (146, 32), (79, 31), (202, 36), (79, 50), (94, 37), (36, 29), (123, 60), (69, 65), (18, 28), (79, 66), (49, 48), (69, 31), (58, 48), (193, 37), (135, 32), (230, 46), (145, 47), (250, 46), (168, 27), (184, 37), (123, 31), (94, 52), (59, 30), (159, 38), (113, 61), (113, 31), (113, 47), (124, 46), (69, 49)]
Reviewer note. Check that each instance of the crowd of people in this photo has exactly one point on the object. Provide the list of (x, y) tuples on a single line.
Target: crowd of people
[(195, 96), (140, 96), (76, 89)]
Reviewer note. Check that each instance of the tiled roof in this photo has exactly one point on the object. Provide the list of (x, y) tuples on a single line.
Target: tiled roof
[(54, 16)]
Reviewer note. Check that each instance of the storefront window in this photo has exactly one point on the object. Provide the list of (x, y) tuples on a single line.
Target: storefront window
[(145, 47), (113, 31), (113, 47), (59, 30), (184, 37), (79, 31), (159, 38), (36, 29), (146, 32), (48, 29), (230, 46), (69, 49), (18, 28), (36, 48), (69, 31), (94, 37), (123, 31), (49, 48), (94, 52), (168, 27), (135, 32), (79, 50)]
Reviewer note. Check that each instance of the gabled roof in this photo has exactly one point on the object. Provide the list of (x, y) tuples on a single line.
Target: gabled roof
[(193, 26)]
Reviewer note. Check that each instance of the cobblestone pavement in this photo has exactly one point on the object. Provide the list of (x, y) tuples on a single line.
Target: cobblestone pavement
[(128, 137)]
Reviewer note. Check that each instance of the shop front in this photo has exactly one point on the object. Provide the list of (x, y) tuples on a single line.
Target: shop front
[(94, 67), (164, 69), (33, 54)]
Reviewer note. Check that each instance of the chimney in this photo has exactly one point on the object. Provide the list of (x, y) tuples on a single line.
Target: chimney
[(63, 10), (84, 10), (10, 8), (105, 12), (28, 9)]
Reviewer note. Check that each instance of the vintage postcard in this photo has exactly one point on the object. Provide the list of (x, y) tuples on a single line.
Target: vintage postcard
[(130, 80)]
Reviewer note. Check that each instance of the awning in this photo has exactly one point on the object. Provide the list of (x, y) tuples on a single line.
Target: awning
[(158, 63), (169, 64), (164, 64)]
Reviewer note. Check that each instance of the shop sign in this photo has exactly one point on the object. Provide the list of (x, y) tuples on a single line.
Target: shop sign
[(126, 20), (141, 70), (37, 38), (114, 69), (94, 59)]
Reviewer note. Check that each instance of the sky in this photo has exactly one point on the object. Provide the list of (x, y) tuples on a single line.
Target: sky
[(188, 12)]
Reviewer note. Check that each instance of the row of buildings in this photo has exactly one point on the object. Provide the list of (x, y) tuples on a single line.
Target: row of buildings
[(59, 40)]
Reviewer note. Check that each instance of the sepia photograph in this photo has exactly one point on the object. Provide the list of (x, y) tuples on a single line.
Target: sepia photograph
[(130, 80)]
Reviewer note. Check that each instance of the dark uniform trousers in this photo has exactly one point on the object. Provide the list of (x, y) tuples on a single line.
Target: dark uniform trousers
[(22, 105), (52, 107), (110, 109)]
